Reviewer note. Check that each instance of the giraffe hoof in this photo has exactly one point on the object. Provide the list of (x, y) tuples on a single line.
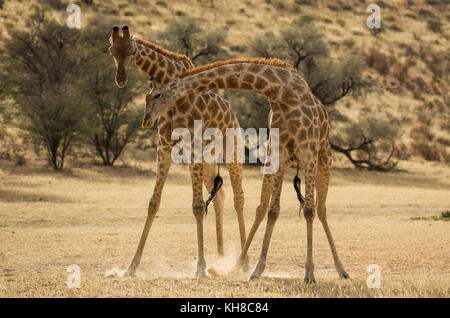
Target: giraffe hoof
[(200, 274), (128, 273), (345, 276), (309, 280), (254, 276)]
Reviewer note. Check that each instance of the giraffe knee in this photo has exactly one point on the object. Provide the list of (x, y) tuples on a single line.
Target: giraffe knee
[(153, 205), (322, 214), (309, 214)]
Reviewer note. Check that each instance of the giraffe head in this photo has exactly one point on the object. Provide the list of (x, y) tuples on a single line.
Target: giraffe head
[(158, 101), (122, 49)]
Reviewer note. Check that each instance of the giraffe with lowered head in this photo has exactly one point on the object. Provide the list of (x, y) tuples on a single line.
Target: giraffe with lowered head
[(303, 127), (163, 67)]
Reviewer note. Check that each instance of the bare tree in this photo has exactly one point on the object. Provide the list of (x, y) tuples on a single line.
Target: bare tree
[(185, 36)]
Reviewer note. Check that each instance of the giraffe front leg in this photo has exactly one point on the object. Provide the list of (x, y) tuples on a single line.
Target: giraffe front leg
[(272, 216), (163, 166), (198, 208), (261, 210), (310, 177), (235, 172)]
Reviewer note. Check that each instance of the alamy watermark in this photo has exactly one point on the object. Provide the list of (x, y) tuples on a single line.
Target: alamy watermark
[(373, 20), (374, 279), (74, 277), (235, 146), (74, 18)]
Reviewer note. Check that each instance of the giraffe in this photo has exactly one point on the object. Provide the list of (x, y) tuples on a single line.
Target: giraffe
[(164, 66), (303, 126)]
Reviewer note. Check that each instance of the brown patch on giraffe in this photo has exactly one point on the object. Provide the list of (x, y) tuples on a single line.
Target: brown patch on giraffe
[(274, 62), (159, 76), (246, 86), (139, 61), (302, 135), (227, 118), (222, 71), (204, 81), (219, 116), (207, 98), (146, 66), (254, 69), (165, 128), (311, 131), (284, 107), (238, 68), (232, 81), (284, 137), (316, 132), (287, 94), (260, 83), (307, 112), (306, 121), (166, 53), (183, 105), (283, 74), (249, 78), (170, 68), (306, 98), (270, 75), (272, 92), (192, 98), (212, 85), (290, 145), (201, 105), (220, 83), (293, 114), (153, 69), (200, 89), (195, 113)]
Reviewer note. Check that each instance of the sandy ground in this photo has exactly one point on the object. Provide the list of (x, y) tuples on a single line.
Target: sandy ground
[(93, 217)]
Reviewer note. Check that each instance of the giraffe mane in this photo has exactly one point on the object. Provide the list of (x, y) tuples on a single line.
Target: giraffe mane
[(164, 52), (274, 62)]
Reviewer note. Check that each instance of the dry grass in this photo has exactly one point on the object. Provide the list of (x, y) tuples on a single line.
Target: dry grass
[(93, 217)]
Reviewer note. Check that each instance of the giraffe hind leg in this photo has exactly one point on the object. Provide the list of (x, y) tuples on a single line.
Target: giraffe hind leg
[(323, 179)]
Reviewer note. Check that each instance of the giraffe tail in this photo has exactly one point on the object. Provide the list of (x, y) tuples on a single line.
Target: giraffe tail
[(218, 181)]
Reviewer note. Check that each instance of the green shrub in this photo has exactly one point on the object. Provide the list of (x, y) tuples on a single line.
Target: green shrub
[(349, 43), (161, 3), (434, 25)]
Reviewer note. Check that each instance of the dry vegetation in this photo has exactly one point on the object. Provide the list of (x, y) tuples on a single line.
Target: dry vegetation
[(93, 217)]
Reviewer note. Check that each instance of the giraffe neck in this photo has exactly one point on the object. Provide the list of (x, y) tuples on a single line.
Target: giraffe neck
[(270, 81), (157, 65)]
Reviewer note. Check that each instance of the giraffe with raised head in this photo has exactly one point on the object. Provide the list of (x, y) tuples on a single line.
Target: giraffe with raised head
[(163, 67), (303, 128)]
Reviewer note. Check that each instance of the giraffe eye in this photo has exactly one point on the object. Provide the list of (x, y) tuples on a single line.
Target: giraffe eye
[(157, 96)]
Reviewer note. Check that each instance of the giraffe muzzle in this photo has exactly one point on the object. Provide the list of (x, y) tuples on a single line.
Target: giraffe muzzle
[(147, 122), (121, 79)]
